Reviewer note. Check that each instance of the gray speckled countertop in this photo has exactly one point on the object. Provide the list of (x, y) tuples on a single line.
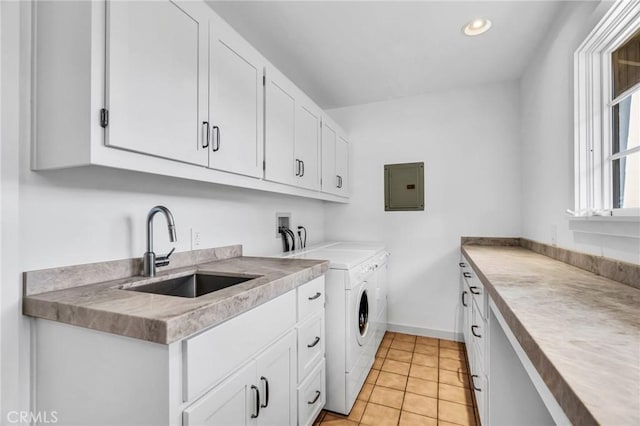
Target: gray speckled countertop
[(581, 331), (163, 319)]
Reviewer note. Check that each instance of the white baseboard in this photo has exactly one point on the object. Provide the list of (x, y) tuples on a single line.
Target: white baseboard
[(426, 332)]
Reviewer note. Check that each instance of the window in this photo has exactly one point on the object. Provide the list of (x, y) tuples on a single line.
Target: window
[(607, 106)]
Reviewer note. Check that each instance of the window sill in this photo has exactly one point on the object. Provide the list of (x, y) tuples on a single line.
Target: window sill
[(612, 226)]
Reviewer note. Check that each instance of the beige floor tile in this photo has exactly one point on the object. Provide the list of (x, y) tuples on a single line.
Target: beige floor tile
[(452, 354), (420, 404), (391, 380), (454, 378), (457, 394), (365, 392), (397, 367), (423, 387), (398, 355), (430, 341), (386, 342), (387, 396), (455, 413), (443, 423), (405, 337), (377, 364), (453, 364), (411, 419), (335, 421), (428, 360), (422, 372), (426, 349), (389, 334), (403, 346), (379, 415), (382, 352), (357, 411), (372, 377), (450, 344)]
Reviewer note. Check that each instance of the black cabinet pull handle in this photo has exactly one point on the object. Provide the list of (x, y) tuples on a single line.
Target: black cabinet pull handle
[(205, 139), (473, 331), (315, 342), (464, 293), (297, 167), (216, 147), (474, 290), (257, 413), (315, 296), (302, 163), (266, 392), (313, 401), (462, 265), (467, 274), (473, 383)]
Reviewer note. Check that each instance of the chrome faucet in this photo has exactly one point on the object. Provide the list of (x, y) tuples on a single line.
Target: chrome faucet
[(149, 260)]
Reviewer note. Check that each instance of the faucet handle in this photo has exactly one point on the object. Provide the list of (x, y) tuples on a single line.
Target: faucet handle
[(164, 260)]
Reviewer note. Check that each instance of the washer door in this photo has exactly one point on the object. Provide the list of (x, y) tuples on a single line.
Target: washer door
[(362, 315)]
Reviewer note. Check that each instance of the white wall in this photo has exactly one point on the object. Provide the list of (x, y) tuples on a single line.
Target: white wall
[(87, 215), (468, 140), (547, 137)]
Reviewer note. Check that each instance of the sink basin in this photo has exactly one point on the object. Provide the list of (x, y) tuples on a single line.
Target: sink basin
[(192, 285)]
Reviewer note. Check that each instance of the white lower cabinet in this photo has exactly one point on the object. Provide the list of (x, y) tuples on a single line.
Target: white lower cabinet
[(263, 392), (312, 395), (229, 403), (244, 371), (504, 386)]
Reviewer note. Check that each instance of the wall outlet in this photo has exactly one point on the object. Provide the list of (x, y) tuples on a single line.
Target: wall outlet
[(196, 239)]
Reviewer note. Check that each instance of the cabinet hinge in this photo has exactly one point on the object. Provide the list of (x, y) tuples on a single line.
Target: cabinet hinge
[(104, 118)]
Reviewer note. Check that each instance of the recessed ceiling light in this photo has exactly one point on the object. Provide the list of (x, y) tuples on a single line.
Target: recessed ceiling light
[(477, 27)]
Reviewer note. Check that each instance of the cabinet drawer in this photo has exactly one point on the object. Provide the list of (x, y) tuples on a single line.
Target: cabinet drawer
[(478, 294), (478, 330), (310, 344), (310, 298), (213, 354), (311, 396)]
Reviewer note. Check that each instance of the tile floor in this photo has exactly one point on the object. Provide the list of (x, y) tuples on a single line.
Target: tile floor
[(414, 381)]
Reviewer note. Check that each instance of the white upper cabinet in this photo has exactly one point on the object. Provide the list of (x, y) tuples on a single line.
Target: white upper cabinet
[(236, 103), (168, 88), (335, 159), (292, 140), (156, 76), (342, 166), (307, 146), (280, 128)]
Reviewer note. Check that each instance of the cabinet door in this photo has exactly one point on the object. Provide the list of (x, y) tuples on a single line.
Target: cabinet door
[(157, 78), (307, 145), (330, 182), (236, 103), (280, 128), (232, 402), (277, 383), (342, 165)]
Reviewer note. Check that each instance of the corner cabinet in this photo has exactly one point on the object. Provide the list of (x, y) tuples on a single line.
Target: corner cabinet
[(169, 88)]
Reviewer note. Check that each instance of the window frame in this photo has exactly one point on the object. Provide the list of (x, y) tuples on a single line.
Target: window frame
[(592, 103)]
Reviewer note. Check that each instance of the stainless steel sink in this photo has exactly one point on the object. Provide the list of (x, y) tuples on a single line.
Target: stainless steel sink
[(192, 285)]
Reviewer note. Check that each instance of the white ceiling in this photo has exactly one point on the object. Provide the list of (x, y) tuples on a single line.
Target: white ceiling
[(352, 52)]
